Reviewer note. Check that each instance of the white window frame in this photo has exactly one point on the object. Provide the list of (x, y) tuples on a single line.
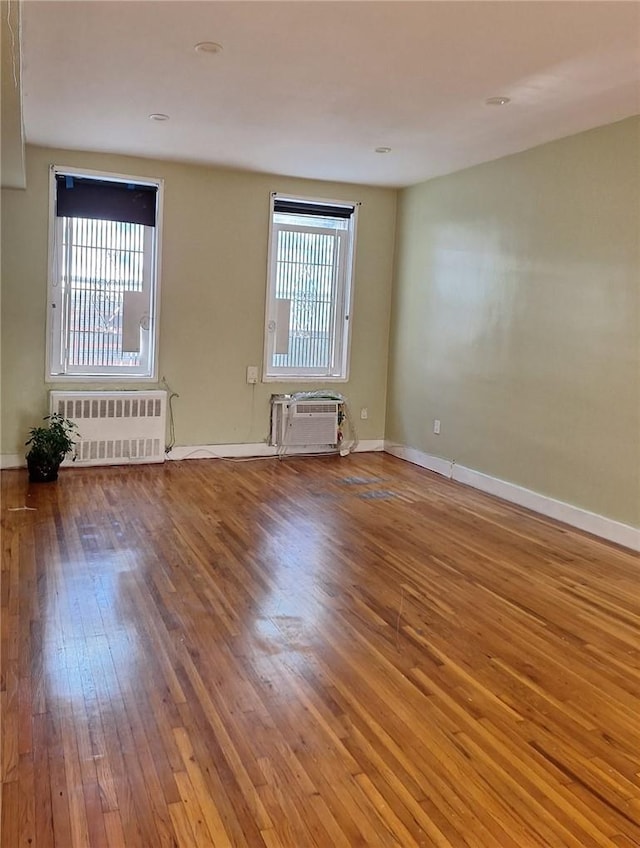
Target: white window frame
[(339, 372), (57, 299)]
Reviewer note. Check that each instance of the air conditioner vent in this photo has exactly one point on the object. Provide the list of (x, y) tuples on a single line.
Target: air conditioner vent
[(304, 423), (312, 408)]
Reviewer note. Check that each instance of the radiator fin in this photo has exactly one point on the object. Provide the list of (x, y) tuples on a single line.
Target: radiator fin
[(115, 427)]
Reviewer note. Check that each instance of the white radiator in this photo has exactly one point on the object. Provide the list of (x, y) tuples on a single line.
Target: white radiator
[(307, 422), (115, 428)]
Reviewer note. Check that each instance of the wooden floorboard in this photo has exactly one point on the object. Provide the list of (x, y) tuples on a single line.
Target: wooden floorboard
[(309, 653)]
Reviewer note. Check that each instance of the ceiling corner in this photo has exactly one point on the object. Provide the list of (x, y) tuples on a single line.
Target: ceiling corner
[(12, 165)]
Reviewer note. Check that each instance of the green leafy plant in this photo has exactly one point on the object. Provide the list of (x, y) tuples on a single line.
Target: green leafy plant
[(49, 446)]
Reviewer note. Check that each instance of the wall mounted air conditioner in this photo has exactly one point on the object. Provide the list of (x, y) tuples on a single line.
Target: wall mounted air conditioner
[(115, 427), (307, 422)]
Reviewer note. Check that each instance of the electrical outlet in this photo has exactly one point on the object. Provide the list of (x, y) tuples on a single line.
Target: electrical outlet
[(436, 426), (252, 374), (364, 413)]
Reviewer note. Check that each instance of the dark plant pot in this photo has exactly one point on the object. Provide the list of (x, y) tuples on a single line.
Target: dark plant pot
[(42, 472)]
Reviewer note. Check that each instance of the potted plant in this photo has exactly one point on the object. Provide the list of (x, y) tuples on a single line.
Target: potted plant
[(49, 446)]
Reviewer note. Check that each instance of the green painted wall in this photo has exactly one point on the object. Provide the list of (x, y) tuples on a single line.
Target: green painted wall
[(516, 320), (214, 266), (515, 311)]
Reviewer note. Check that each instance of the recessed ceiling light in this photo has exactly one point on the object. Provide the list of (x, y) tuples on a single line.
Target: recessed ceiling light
[(158, 116), (383, 150), (497, 101), (208, 47)]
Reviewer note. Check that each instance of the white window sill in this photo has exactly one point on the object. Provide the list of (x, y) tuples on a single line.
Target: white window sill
[(314, 379)]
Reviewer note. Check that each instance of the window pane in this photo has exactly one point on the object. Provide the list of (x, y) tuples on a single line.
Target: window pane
[(311, 221), (311, 256), (103, 276), (101, 261), (305, 275)]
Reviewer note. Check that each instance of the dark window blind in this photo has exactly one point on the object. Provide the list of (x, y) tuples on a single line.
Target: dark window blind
[(105, 200), (304, 207)]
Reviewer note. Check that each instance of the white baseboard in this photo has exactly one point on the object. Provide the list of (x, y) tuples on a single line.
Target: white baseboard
[(257, 449), (582, 519), (220, 451), (12, 460), (368, 445), (424, 460)]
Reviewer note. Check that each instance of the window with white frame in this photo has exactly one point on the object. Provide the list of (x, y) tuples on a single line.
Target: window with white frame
[(311, 259), (103, 277)]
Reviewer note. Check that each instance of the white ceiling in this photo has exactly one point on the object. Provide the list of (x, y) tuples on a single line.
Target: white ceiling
[(309, 89)]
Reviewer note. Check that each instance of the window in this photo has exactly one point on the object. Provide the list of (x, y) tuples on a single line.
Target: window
[(103, 283), (311, 259)]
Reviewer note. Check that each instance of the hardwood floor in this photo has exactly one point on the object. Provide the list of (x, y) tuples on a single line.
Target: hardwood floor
[(311, 653)]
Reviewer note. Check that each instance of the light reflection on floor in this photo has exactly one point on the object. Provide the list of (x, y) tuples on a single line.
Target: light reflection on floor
[(91, 647), (282, 638)]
